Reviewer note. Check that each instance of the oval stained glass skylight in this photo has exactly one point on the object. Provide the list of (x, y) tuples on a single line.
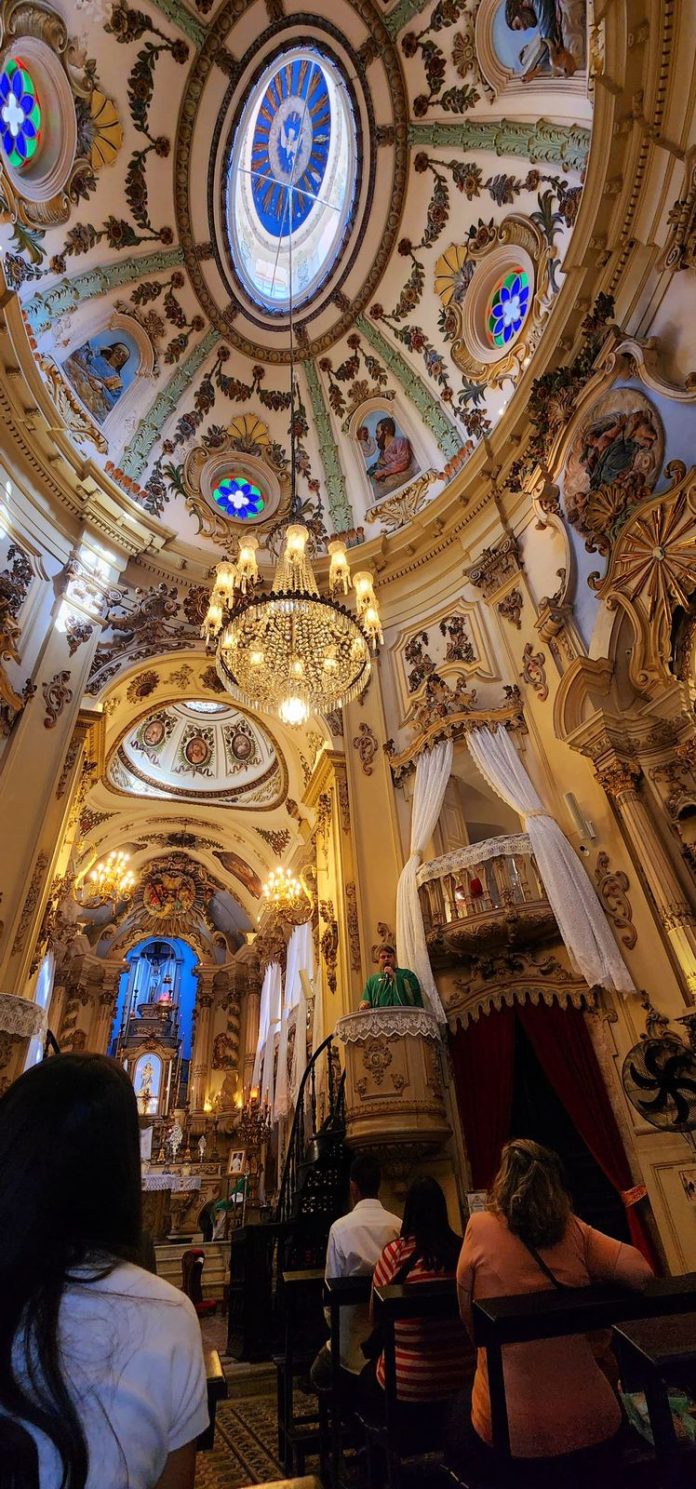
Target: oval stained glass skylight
[(293, 178), (239, 497)]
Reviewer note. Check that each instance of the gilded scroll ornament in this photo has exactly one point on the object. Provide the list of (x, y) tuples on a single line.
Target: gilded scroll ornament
[(56, 694), (534, 671), (366, 744), (612, 886)]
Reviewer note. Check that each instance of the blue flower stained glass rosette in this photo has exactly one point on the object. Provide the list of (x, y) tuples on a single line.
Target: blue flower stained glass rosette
[(508, 307), (20, 114), (239, 498)]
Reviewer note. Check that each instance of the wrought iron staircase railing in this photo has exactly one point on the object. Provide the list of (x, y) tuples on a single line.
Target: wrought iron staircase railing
[(319, 1122)]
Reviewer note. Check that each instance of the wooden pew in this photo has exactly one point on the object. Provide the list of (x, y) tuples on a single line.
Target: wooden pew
[(303, 1335), (217, 1391), (339, 1293), (524, 1317), (426, 1300)]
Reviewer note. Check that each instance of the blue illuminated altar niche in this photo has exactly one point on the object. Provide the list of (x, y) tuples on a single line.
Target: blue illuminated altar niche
[(145, 981)]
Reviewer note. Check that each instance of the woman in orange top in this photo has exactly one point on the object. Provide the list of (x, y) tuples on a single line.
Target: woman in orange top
[(559, 1401)]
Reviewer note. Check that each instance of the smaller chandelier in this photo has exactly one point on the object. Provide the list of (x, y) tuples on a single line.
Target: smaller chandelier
[(108, 883), (285, 895)]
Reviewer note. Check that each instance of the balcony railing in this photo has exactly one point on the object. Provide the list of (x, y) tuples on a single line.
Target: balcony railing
[(483, 898)]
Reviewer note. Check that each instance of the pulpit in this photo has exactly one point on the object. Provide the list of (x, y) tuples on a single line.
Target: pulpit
[(394, 1087)]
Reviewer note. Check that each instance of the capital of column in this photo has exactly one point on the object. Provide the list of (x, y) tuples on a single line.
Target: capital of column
[(618, 777)]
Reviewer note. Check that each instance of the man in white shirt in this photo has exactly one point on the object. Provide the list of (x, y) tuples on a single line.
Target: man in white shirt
[(355, 1244)]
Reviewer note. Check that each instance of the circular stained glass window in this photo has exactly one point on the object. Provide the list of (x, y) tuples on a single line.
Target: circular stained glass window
[(20, 114), (293, 178), (239, 497), (507, 307)]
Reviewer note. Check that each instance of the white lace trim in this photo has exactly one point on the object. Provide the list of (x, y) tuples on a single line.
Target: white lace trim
[(389, 1023), (21, 1016), (178, 1183), (465, 858)]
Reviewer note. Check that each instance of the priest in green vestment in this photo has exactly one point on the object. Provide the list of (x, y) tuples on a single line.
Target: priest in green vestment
[(392, 986)]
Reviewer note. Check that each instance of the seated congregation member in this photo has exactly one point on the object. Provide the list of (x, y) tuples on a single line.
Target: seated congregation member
[(355, 1243), (102, 1380), (559, 1400), (434, 1360)]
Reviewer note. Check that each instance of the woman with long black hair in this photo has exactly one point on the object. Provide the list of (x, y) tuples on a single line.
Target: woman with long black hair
[(102, 1381), (433, 1360)]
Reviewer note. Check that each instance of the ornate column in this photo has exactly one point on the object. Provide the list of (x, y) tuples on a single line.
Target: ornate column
[(674, 914), (106, 1008), (43, 755), (252, 1007), (338, 894), (200, 1056)]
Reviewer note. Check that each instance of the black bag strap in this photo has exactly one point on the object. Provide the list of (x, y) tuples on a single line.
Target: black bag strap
[(561, 1286)]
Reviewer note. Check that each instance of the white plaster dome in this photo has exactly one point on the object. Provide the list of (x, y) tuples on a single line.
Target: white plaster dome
[(199, 751)]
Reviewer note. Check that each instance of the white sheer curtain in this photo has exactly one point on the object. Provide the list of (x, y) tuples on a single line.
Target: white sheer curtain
[(263, 1029), (305, 979), (432, 774), (274, 1000), (297, 960), (580, 917)]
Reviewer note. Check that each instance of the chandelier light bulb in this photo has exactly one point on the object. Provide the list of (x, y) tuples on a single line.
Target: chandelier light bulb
[(339, 571), (296, 542), (213, 620), (225, 581), (364, 590), (247, 567), (256, 657), (293, 710), (371, 624), (296, 667)]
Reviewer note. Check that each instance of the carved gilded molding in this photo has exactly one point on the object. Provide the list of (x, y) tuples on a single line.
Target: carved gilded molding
[(454, 725)]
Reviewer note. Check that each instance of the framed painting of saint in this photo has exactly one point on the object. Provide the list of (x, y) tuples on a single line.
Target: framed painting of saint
[(101, 369)]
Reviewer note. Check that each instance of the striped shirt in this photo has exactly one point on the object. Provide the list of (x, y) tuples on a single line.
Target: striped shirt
[(434, 1359)]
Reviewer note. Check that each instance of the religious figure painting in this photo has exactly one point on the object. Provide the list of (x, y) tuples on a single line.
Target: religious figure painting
[(101, 369), (541, 38), (146, 1084), (390, 460), (241, 870), (613, 464)]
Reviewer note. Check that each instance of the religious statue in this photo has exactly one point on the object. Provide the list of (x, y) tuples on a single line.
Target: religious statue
[(392, 986), (201, 1149), (176, 1139)]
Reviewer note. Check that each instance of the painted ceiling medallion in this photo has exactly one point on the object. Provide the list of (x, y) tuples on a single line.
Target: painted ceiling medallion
[(293, 178), (20, 113), (496, 291)]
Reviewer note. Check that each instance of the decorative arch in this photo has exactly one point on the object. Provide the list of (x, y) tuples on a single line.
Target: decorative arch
[(114, 327)]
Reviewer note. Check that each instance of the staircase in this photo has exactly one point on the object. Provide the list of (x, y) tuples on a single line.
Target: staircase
[(313, 1193), (216, 1272), (315, 1175)]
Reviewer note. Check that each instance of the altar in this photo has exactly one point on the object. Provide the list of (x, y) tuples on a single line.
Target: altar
[(173, 1201)]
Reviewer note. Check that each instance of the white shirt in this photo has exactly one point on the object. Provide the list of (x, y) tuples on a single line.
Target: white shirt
[(355, 1244), (133, 1361)]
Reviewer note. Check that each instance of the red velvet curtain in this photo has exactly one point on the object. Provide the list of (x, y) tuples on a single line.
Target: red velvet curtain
[(483, 1058), (563, 1046)]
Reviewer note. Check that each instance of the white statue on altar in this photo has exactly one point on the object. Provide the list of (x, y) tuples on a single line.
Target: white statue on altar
[(201, 1148), (176, 1138)]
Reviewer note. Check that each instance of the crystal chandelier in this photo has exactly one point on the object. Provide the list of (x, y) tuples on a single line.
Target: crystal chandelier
[(294, 651), (286, 896), (108, 883)]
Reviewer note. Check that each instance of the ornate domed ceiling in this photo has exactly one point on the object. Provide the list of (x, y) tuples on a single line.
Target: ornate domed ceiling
[(199, 751), (396, 161)]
